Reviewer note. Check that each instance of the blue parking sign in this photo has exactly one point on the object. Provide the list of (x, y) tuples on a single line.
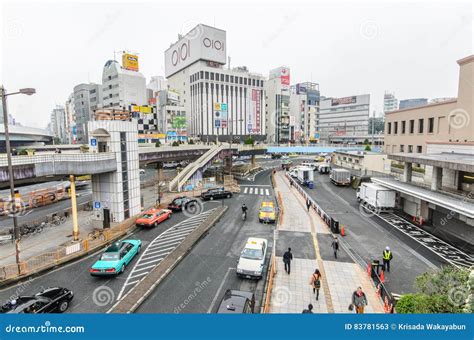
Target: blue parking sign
[(97, 205), (93, 142)]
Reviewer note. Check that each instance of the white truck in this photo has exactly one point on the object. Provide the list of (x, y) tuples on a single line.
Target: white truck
[(376, 197), (340, 176), (304, 174), (324, 168)]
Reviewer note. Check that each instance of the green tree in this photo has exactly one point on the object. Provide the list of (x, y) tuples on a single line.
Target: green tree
[(368, 148), (191, 141), (249, 141), (366, 141), (175, 143), (158, 143)]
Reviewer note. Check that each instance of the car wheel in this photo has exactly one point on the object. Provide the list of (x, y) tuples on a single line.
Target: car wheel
[(122, 269), (63, 306), (155, 224), (138, 250), (211, 198)]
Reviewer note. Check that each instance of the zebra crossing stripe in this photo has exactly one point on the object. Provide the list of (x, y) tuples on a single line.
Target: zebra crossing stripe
[(267, 192), (245, 190), (251, 191)]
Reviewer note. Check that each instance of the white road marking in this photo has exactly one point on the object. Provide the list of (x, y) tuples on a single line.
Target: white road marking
[(251, 191), (245, 190), (211, 307), (267, 192)]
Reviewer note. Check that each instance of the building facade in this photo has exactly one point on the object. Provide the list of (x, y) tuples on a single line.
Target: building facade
[(344, 119), (87, 99), (277, 113), (220, 103), (414, 102), (59, 125), (390, 102), (304, 107)]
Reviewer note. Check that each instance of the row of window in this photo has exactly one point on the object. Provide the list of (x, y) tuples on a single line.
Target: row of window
[(206, 75), (393, 127), (401, 148), (347, 159)]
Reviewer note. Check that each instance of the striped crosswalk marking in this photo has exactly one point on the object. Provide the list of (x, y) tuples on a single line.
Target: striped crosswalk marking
[(245, 190), (261, 190), (161, 247)]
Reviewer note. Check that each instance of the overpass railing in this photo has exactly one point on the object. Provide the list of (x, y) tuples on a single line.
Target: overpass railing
[(52, 158)]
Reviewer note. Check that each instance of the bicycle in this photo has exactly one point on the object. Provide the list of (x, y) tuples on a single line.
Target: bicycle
[(96, 234), (57, 220)]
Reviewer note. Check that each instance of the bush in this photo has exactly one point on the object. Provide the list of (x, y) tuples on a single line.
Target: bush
[(368, 148), (23, 152), (157, 144), (175, 143), (249, 141), (191, 141), (366, 141), (413, 303)]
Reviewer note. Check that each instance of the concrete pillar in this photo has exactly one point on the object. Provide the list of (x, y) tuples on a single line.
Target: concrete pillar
[(436, 178), (407, 172), (253, 162), (159, 179), (75, 226)]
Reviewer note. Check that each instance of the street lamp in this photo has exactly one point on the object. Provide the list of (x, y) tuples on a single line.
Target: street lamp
[(28, 91)]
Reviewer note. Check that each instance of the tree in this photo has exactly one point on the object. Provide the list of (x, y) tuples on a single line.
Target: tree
[(191, 141), (23, 152), (175, 143), (158, 143), (368, 148), (366, 141), (249, 141)]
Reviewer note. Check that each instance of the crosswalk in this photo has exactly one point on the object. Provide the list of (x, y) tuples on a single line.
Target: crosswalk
[(263, 190), (159, 248)]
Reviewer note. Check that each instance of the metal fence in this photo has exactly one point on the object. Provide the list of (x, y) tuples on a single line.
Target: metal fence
[(59, 158)]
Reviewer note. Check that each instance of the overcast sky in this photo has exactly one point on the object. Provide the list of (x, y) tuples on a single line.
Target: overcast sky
[(349, 48)]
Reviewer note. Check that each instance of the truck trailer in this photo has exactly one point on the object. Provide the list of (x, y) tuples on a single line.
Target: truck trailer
[(376, 197), (305, 174), (340, 176)]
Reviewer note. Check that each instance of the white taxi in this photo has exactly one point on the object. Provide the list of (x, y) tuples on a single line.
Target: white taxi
[(252, 258)]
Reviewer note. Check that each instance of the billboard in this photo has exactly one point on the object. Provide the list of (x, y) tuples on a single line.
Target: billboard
[(254, 117), (178, 122), (220, 115), (173, 95), (285, 76), (130, 62), (142, 109), (201, 43), (343, 101), (300, 89)]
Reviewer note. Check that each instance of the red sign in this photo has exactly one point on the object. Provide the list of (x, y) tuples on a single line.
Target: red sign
[(342, 101), (285, 76), (257, 111)]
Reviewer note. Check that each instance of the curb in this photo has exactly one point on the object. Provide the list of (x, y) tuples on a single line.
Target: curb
[(136, 296)]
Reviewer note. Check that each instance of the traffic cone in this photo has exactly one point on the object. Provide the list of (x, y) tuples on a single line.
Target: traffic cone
[(382, 277), (343, 233)]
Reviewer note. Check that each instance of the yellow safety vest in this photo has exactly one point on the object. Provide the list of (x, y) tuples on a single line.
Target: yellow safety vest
[(386, 255)]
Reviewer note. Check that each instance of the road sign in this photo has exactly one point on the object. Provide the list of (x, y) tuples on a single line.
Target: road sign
[(93, 142), (96, 205)]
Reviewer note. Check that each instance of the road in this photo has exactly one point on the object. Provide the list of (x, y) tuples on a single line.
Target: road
[(211, 264), (369, 235)]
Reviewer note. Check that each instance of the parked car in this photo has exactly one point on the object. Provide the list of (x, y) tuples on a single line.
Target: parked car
[(276, 156), (252, 258), (180, 203), (216, 193), (115, 258), (170, 165), (50, 300), (267, 213), (237, 302), (153, 217)]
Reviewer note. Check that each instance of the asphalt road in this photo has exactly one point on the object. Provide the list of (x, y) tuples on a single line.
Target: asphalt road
[(369, 235), (199, 282)]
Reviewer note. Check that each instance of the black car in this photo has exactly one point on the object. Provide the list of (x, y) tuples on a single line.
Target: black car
[(180, 203), (237, 302), (276, 156), (50, 300), (216, 193)]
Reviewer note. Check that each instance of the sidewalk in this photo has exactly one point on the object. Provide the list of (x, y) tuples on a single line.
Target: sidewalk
[(310, 240)]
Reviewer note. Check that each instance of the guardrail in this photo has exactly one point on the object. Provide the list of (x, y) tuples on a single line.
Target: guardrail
[(382, 291), (53, 158)]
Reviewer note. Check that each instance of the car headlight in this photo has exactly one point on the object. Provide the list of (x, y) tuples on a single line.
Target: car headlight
[(257, 272), (239, 270)]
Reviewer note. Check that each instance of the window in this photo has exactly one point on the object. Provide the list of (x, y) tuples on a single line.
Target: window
[(419, 149), (402, 148), (212, 75), (412, 126), (403, 126), (206, 75), (389, 128), (410, 148), (430, 125), (245, 81), (201, 75), (227, 78), (231, 79), (395, 128), (420, 125)]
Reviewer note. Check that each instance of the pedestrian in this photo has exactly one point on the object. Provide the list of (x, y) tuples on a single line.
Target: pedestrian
[(359, 300), (291, 183), (316, 282), (287, 258), (387, 257), (309, 310), (335, 246), (308, 204)]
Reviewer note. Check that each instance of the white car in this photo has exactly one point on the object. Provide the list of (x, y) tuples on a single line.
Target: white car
[(285, 157), (252, 258)]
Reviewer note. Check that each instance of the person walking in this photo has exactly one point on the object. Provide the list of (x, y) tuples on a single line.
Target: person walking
[(308, 204), (335, 246), (387, 257), (359, 300), (316, 282), (287, 258), (309, 310), (291, 183)]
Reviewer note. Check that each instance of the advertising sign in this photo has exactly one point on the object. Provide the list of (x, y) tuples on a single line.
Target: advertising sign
[(300, 89), (178, 122), (343, 101), (220, 115), (130, 62), (173, 95), (142, 109), (292, 120), (285, 76), (201, 43)]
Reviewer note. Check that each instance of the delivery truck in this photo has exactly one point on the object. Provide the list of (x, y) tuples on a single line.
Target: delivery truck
[(376, 197), (305, 175), (324, 168), (340, 176)]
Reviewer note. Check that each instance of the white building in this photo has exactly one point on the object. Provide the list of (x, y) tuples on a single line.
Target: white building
[(59, 124), (71, 119), (277, 115), (345, 119), (122, 87), (171, 116), (304, 111), (87, 98), (220, 103), (390, 102)]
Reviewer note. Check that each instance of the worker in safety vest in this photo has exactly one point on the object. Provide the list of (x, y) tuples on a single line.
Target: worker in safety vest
[(387, 257)]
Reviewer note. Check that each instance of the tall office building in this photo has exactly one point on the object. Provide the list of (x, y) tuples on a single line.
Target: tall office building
[(87, 98), (59, 124), (277, 115), (220, 103), (304, 111), (390, 102), (345, 119)]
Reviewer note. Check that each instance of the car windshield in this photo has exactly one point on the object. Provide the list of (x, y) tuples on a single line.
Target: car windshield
[(147, 216), (267, 209), (252, 254), (109, 257)]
